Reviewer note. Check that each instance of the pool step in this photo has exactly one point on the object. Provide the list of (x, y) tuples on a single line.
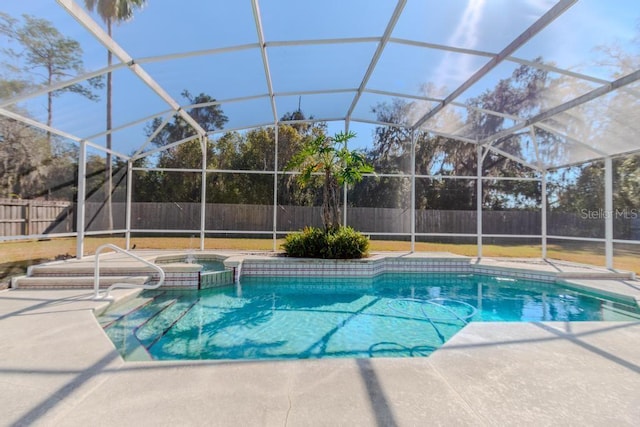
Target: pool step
[(74, 282), (156, 326), (122, 310), (70, 270)]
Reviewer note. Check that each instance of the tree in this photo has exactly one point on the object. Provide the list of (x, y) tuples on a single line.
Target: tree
[(188, 155), (31, 167), (337, 166), (210, 118), (604, 125), (112, 11), (521, 94), (10, 87), (33, 163), (44, 51), (21, 150)]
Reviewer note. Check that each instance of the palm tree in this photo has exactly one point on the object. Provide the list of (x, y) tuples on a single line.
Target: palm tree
[(111, 11), (336, 165)]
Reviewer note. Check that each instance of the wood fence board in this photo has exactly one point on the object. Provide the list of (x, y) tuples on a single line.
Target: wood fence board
[(23, 217)]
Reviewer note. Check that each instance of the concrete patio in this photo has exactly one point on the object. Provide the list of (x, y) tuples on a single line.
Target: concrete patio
[(59, 368)]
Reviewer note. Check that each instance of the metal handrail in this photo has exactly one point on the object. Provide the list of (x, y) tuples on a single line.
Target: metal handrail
[(96, 276)]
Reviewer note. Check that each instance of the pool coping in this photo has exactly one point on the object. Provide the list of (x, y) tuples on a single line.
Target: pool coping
[(572, 275), (182, 275), (60, 368)]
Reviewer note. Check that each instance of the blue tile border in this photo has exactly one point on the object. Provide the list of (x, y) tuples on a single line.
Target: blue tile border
[(296, 267)]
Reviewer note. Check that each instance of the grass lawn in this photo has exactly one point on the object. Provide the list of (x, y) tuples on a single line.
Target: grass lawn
[(18, 255)]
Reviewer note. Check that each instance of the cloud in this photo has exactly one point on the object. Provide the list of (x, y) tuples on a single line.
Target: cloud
[(454, 67)]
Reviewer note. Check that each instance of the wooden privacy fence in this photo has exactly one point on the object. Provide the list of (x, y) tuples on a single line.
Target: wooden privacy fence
[(32, 217), (25, 217)]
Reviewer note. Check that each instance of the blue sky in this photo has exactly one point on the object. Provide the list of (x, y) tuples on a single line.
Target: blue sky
[(164, 27)]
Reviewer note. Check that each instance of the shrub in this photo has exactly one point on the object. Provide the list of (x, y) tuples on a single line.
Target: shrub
[(338, 243), (309, 243)]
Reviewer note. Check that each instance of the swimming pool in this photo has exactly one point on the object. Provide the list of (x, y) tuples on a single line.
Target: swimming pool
[(393, 315)]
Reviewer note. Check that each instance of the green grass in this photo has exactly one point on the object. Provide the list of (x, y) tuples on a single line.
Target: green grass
[(18, 255)]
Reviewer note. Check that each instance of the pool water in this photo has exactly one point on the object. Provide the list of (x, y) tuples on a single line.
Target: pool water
[(393, 315), (210, 265)]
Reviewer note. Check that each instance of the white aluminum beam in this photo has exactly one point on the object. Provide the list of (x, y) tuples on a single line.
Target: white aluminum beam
[(90, 25), (265, 59), (316, 92), (240, 128), (322, 119), (626, 242), (446, 234), (514, 158), (167, 170), (226, 101), (204, 52), (54, 131), (152, 230), (543, 215), (159, 90), (568, 73), (312, 42), (239, 171), (589, 96), (203, 191), (569, 138), (265, 232), (82, 181), (438, 100), (378, 122), (543, 195), (154, 134), (510, 178), (38, 125), (344, 186), (165, 147), (523, 38), (443, 177), (127, 125), (521, 61), (451, 136), (578, 239), (275, 190), (376, 56), (413, 191), (128, 205), (595, 159), (402, 95), (480, 161), (60, 85), (514, 236), (609, 213), (436, 46), (534, 140)]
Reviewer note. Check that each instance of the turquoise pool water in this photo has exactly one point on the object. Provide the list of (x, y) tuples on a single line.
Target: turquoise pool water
[(393, 315)]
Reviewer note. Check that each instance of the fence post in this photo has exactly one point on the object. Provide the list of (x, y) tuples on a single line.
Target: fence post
[(26, 221)]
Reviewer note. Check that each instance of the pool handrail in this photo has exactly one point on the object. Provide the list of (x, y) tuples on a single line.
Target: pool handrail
[(96, 274)]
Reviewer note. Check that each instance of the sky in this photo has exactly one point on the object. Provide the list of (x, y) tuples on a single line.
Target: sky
[(163, 28)]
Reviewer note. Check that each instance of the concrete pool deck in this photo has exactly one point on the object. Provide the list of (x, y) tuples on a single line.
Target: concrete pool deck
[(59, 368)]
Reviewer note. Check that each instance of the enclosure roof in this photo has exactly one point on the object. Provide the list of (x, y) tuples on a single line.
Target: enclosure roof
[(338, 61)]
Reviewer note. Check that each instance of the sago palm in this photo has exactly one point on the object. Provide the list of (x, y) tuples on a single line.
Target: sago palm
[(329, 160)]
